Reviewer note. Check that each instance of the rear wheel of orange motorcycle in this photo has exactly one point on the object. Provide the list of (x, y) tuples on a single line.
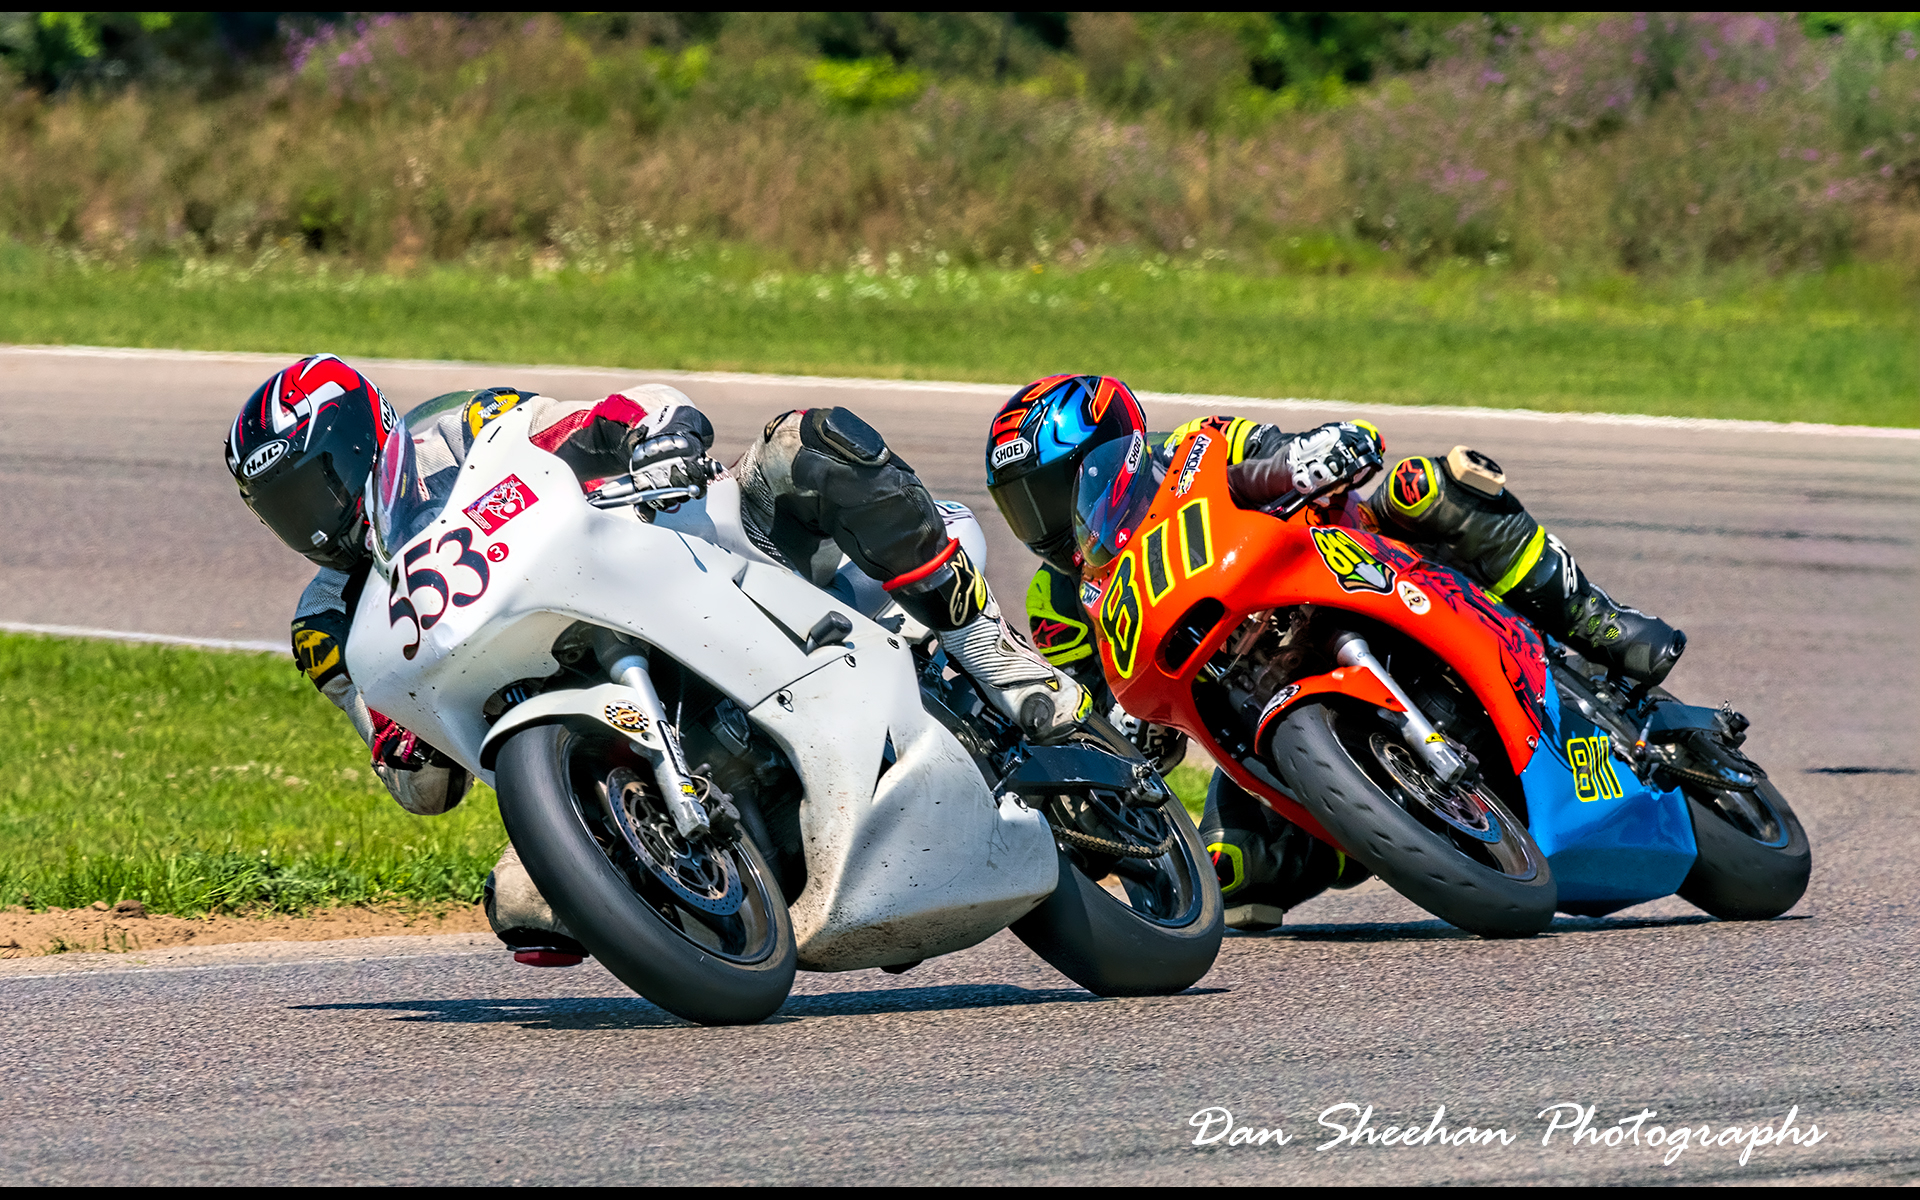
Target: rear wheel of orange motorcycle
[(1455, 851), (1754, 859)]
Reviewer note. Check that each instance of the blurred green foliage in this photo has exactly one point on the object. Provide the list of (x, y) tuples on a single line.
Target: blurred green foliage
[(1310, 54)]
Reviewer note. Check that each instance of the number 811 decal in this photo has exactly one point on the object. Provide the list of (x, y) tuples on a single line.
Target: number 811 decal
[(1120, 609), (423, 581)]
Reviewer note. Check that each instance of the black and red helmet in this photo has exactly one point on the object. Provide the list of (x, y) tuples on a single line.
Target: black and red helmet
[(1038, 442), (301, 449)]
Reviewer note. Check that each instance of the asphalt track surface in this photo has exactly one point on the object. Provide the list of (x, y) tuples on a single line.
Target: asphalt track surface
[(1789, 558)]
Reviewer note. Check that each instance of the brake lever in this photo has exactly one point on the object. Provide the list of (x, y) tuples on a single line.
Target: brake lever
[(623, 494)]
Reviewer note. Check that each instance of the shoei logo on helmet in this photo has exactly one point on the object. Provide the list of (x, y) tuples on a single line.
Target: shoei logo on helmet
[(507, 500), (1352, 564), (1191, 467), (263, 458), (1010, 452)]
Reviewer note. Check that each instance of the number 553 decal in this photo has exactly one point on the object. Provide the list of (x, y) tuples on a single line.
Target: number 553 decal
[(428, 588)]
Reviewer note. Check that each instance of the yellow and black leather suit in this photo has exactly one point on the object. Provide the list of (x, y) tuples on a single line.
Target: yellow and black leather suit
[(1456, 507)]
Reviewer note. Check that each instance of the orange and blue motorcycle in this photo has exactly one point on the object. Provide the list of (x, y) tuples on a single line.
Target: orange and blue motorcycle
[(1383, 702)]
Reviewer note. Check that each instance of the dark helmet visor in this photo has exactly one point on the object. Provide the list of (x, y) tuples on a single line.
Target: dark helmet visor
[(310, 508), (1038, 505)]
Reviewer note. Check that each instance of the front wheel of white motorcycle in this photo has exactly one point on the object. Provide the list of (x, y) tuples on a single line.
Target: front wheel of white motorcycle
[(1156, 927), (696, 926)]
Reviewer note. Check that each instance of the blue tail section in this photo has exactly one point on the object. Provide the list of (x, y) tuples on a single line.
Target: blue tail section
[(1612, 840)]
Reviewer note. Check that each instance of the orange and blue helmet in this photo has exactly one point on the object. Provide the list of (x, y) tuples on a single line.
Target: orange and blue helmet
[(1035, 449)]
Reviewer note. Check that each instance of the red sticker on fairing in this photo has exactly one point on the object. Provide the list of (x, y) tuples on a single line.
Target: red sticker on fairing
[(508, 499)]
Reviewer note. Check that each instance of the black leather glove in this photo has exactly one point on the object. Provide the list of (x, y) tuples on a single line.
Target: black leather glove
[(399, 748)]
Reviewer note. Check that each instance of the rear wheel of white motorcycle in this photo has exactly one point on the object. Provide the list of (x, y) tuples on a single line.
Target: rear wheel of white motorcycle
[(698, 928), (1456, 852), (1163, 936)]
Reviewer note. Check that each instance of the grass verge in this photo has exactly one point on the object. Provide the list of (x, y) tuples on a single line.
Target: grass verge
[(1840, 347), (202, 782), (196, 781)]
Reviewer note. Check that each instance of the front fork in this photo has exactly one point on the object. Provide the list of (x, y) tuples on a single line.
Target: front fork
[(627, 665), (1351, 650)]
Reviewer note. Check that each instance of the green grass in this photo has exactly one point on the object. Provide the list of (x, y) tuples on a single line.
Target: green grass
[(1841, 347), (196, 781)]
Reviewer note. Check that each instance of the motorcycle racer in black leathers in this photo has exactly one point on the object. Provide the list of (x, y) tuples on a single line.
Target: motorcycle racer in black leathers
[(816, 484), (1455, 507)]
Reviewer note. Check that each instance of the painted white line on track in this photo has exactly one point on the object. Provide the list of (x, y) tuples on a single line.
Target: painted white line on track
[(139, 969), (1790, 428), (125, 635)]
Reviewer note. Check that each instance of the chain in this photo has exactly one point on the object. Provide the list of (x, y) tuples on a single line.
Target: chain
[(1099, 845)]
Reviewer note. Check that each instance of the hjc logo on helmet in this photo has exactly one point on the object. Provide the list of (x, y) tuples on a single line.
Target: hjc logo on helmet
[(263, 458)]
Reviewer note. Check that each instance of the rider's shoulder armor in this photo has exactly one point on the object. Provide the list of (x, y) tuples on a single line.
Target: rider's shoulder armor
[(1244, 438)]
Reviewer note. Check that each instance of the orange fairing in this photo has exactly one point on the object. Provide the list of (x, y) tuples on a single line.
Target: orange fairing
[(1199, 552)]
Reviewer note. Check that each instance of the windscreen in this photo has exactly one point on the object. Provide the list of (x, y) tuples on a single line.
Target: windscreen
[(406, 497), (1116, 487)]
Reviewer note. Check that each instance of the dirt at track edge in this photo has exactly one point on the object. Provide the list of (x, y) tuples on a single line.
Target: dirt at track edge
[(25, 933)]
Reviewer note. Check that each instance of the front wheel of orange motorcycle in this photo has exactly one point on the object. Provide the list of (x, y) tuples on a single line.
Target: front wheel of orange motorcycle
[(1456, 851)]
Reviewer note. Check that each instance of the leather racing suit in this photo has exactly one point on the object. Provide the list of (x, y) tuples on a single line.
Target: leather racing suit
[(817, 483)]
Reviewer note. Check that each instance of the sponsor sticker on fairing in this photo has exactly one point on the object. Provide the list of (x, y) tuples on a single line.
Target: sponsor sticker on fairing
[(1191, 468), (1010, 452), (1355, 567), (1416, 600), (627, 717), (505, 501), (1279, 698)]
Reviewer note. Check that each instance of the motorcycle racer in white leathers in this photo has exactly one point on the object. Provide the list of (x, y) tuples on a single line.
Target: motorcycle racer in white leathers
[(816, 484)]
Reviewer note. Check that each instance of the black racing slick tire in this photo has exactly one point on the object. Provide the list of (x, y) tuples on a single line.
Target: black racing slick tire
[(1458, 853), (724, 955), (1754, 858), (1159, 941)]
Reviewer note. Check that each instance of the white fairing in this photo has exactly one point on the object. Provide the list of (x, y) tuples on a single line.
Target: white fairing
[(903, 863)]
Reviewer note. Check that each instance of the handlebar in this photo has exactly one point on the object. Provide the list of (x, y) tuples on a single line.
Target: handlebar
[(622, 493)]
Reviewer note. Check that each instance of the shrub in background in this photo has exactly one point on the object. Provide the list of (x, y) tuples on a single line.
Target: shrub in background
[(1664, 142)]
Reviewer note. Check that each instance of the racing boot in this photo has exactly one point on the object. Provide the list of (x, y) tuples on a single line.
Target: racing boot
[(1556, 595), (522, 918), (1462, 503), (951, 598), (1265, 864)]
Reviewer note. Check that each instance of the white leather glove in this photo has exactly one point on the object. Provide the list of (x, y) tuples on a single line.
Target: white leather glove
[(671, 460), (1334, 457)]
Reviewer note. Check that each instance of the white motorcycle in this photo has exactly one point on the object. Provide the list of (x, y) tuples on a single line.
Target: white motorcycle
[(717, 772)]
